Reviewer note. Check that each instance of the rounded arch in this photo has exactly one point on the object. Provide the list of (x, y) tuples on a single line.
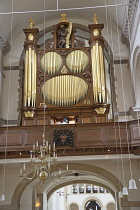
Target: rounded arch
[(84, 168), (110, 206)]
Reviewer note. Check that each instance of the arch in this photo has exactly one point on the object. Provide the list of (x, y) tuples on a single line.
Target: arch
[(73, 206), (77, 167), (135, 73), (110, 206)]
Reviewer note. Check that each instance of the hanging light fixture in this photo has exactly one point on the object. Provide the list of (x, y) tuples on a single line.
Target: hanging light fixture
[(2, 197), (125, 191), (132, 184), (44, 160), (120, 194)]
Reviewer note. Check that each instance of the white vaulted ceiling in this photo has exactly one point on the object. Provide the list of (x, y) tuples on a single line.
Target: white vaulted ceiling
[(20, 20)]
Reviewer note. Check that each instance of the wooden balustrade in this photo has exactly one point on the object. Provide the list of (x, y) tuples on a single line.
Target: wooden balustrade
[(89, 139)]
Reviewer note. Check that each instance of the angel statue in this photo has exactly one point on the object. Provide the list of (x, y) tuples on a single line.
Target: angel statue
[(64, 36)]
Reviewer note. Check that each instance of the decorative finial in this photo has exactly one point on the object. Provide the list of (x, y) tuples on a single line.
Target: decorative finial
[(63, 18), (95, 18), (32, 23)]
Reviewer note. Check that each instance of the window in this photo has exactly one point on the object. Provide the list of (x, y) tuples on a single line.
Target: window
[(93, 205)]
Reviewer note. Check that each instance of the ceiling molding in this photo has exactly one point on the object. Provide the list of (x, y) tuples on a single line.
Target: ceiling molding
[(128, 22), (4, 44)]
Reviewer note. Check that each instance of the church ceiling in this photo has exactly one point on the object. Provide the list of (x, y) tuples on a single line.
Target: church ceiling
[(20, 19)]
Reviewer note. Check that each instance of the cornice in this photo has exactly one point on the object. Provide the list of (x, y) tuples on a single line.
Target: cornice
[(128, 21), (4, 44)]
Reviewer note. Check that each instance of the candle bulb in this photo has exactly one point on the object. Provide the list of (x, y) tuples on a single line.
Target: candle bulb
[(20, 171), (54, 145), (59, 171), (49, 147), (23, 166), (54, 154), (37, 144), (46, 143), (31, 155), (33, 146), (49, 162), (67, 167)]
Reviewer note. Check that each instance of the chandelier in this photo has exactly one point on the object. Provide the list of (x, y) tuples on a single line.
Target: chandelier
[(44, 159)]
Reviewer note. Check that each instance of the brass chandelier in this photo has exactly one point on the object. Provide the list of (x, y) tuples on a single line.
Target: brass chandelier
[(44, 159)]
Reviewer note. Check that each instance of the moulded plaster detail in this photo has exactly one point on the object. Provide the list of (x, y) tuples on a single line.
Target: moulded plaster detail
[(4, 44), (129, 19)]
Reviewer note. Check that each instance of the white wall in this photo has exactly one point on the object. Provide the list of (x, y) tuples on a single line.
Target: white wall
[(10, 95)]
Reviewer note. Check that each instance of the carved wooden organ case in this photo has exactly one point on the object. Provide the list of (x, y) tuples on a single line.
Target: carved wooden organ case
[(65, 79)]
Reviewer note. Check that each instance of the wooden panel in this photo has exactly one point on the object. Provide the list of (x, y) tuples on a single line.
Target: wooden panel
[(29, 122), (41, 121), (136, 133), (116, 134), (90, 136), (33, 137), (86, 120), (12, 139), (100, 119)]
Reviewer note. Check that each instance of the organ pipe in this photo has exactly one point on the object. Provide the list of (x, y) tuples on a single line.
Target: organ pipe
[(30, 70), (64, 90), (97, 59), (30, 78)]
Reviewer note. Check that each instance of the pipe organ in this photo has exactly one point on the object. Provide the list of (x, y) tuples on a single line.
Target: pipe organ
[(68, 79)]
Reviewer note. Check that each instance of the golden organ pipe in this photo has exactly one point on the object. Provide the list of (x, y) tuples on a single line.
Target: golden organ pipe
[(65, 95), (103, 75), (77, 61), (76, 80), (68, 80), (29, 78), (32, 75), (69, 91), (55, 58), (73, 90), (66, 101), (35, 65), (25, 79), (58, 90), (51, 63), (53, 91), (64, 90)]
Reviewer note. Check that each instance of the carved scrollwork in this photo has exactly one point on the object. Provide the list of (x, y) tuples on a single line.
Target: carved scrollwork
[(78, 43), (87, 76), (63, 53), (63, 137), (49, 44)]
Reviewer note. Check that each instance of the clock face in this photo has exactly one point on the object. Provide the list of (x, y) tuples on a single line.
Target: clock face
[(51, 63), (64, 90), (77, 61)]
